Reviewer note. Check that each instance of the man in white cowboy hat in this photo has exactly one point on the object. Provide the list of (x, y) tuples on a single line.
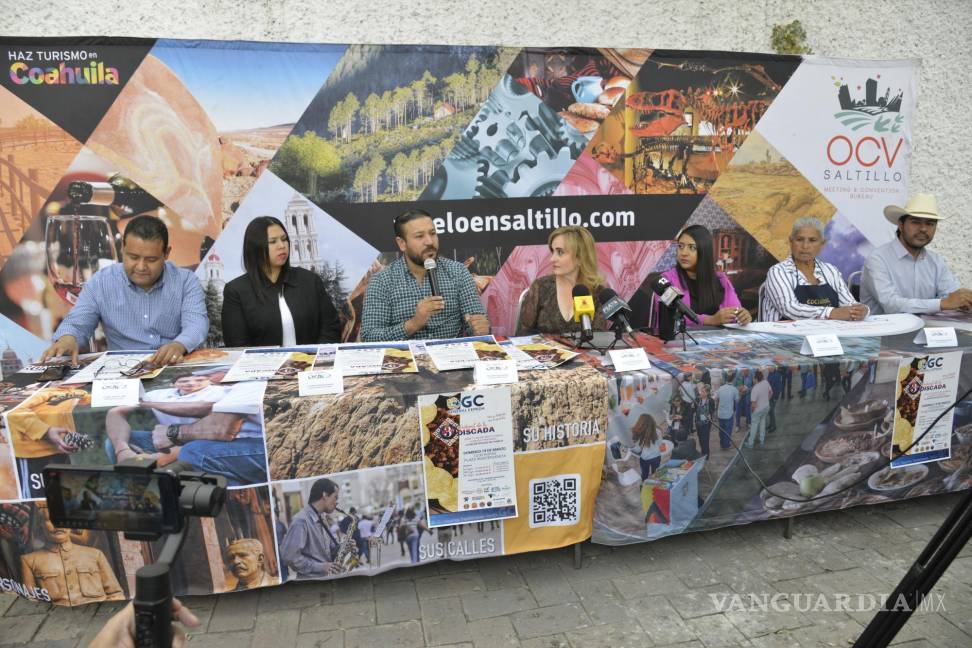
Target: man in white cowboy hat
[(902, 276)]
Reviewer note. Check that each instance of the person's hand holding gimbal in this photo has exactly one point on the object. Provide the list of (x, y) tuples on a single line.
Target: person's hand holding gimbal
[(119, 632)]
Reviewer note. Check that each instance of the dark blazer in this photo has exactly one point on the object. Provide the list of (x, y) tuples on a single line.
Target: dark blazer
[(250, 322)]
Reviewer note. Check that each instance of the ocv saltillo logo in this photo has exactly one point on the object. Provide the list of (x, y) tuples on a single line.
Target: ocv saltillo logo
[(867, 110)]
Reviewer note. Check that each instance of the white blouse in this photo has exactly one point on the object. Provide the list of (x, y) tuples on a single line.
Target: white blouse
[(287, 324)]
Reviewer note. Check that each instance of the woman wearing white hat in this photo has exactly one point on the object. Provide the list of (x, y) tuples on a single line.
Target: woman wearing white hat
[(902, 276)]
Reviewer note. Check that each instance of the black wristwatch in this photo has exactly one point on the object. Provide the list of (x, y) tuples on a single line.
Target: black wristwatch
[(173, 434)]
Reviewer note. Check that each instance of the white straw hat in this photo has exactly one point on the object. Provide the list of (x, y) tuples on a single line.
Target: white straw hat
[(920, 205)]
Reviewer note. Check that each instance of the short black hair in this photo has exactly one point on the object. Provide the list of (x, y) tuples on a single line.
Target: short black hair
[(148, 228), (321, 487), (407, 217)]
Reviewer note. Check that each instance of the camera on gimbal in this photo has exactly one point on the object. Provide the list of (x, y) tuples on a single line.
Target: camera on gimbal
[(146, 503), (133, 497)]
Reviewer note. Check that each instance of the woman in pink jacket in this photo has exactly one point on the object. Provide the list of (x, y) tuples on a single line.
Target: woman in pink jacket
[(707, 291)]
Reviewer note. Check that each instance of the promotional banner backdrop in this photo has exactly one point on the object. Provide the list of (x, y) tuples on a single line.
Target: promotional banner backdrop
[(501, 145)]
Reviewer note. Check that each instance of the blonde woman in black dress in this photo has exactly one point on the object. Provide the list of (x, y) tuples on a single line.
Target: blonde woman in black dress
[(548, 306)]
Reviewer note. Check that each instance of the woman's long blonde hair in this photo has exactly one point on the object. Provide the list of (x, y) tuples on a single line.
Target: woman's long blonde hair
[(581, 244)]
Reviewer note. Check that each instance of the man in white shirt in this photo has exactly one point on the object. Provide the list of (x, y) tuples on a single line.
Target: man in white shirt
[(168, 406), (760, 396), (903, 276), (223, 436)]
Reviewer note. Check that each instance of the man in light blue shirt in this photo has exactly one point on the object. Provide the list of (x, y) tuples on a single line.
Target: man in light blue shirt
[(143, 303), (902, 276)]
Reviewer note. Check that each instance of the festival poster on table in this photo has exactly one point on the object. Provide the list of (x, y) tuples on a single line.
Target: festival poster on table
[(115, 365), (463, 353), (276, 363), (926, 387), (378, 358), (536, 355), (467, 448)]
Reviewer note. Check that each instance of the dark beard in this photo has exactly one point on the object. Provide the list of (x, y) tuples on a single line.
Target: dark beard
[(418, 260)]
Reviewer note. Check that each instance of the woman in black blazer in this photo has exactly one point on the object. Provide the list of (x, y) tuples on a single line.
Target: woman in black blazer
[(273, 303)]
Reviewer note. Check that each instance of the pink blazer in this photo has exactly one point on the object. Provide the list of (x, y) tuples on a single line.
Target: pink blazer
[(729, 298)]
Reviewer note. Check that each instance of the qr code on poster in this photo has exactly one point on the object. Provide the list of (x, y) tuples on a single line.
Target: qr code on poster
[(555, 501)]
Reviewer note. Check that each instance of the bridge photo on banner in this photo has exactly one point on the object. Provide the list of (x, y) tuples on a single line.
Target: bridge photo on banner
[(501, 146)]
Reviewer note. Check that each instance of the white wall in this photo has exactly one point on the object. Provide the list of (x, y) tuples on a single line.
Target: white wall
[(937, 31)]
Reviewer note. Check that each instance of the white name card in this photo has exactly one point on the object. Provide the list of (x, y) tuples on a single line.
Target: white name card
[(318, 382), (495, 372), (819, 346), (629, 359), (938, 336), (115, 393)]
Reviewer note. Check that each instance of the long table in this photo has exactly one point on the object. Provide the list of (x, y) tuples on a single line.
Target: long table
[(366, 440), (597, 455), (836, 410)]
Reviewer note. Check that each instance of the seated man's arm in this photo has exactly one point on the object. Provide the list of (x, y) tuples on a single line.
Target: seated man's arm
[(195, 321), (947, 283), (376, 315), (218, 426), (877, 281)]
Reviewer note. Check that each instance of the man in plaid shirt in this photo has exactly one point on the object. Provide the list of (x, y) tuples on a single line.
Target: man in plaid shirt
[(399, 305)]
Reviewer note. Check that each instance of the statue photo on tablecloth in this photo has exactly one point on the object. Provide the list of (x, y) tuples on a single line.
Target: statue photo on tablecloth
[(72, 573), (246, 562)]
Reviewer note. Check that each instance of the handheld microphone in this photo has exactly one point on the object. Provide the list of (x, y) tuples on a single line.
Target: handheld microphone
[(584, 310), (433, 282), (614, 308), (670, 296)]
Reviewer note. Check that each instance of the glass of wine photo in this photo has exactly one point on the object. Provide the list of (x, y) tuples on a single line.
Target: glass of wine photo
[(77, 246)]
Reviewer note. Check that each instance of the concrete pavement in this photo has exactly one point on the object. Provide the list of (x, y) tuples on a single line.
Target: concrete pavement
[(740, 586)]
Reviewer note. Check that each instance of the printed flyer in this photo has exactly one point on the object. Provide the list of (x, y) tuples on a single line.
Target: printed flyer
[(467, 447), (463, 353), (536, 355), (379, 358), (113, 365), (277, 363), (925, 388)]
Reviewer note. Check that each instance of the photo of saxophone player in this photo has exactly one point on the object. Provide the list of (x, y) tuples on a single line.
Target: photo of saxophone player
[(310, 548)]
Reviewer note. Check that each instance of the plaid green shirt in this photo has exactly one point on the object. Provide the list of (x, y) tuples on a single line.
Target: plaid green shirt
[(393, 294)]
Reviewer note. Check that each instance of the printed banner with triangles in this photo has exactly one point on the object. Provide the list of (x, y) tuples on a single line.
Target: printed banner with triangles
[(501, 146)]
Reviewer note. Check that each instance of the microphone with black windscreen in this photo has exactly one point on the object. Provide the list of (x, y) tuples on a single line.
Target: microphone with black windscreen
[(615, 308), (584, 310), (433, 281), (671, 296)]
